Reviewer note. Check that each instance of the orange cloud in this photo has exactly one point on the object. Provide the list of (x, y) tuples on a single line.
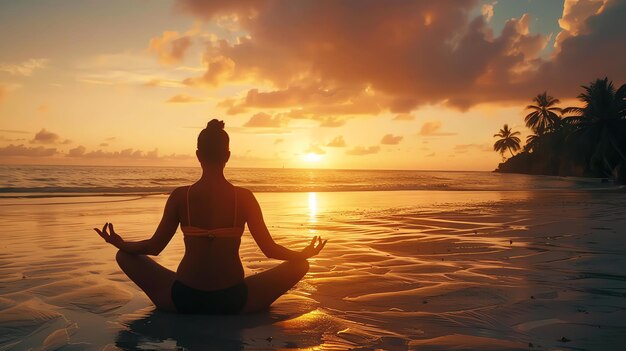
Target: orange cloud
[(47, 137), (487, 11), (337, 142), (21, 150), (264, 120), (25, 68), (360, 150), (219, 69), (574, 19), (170, 47), (390, 139), (81, 152), (432, 129), (315, 149), (182, 98), (408, 54), (404, 117)]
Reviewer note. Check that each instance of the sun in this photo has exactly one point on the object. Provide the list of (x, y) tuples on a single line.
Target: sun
[(312, 157)]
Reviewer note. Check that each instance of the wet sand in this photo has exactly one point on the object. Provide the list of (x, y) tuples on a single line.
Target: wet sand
[(405, 270)]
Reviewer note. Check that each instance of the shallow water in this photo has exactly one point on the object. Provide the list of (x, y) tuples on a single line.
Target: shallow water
[(403, 270), (74, 181)]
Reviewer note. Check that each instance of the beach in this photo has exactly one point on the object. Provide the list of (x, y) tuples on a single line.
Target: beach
[(403, 270)]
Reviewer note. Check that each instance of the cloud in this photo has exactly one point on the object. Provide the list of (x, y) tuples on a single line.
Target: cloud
[(315, 149), (103, 144), (77, 151), (463, 148), (337, 142), (574, 19), (404, 117), (278, 141), (410, 54), (264, 120), (390, 139), (21, 150), (14, 131), (597, 52), (219, 69), (25, 68), (433, 129), (128, 68), (81, 151), (360, 150), (182, 98), (312, 99), (487, 11), (3, 138), (170, 47), (432, 154), (165, 83), (47, 137)]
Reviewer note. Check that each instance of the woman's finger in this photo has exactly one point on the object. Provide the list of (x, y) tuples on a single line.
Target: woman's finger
[(313, 241), (101, 234), (111, 228), (104, 228), (319, 248)]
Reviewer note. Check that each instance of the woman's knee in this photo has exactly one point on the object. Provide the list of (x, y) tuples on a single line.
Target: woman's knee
[(300, 266), (124, 258)]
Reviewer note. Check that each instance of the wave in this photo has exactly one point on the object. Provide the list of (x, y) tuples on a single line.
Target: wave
[(51, 181), (48, 192)]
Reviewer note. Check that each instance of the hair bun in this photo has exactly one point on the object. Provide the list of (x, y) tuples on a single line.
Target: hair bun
[(215, 124)]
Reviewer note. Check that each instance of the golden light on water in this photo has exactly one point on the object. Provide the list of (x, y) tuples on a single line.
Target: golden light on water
[(312, 207)]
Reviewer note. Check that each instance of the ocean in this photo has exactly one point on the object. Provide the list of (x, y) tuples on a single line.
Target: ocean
[(53, 181)]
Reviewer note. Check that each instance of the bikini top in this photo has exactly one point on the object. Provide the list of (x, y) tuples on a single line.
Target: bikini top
[(229, 232)]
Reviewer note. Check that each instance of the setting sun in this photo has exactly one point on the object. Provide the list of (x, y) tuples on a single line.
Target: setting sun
[(312, 157)]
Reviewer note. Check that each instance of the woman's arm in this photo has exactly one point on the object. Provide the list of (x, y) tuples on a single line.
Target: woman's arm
[(266, 243), (162, 236)]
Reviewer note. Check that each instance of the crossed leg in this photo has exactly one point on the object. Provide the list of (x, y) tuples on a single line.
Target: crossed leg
[(155, 280), (263, 288)]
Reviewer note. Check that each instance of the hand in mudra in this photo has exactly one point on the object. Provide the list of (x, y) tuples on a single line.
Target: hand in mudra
[(112, 237), (312, 250)]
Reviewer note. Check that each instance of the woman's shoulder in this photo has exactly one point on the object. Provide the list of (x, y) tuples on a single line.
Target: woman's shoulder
[(180, 192), (242, 191)]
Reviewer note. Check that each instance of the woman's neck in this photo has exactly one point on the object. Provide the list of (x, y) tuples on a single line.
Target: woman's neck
[(212, 175)]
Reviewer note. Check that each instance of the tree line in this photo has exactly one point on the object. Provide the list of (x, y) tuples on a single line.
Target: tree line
[(577, 141)]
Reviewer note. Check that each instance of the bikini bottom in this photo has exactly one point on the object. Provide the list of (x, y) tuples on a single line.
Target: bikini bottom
[(230, 300)]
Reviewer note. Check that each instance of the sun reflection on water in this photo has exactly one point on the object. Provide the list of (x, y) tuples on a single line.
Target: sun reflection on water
[(312, 207)]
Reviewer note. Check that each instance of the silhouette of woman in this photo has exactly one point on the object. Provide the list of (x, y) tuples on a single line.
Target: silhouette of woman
[(212, 213)]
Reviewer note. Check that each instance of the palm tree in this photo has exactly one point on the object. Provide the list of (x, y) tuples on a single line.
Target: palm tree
[(532, 141), (600, 126), (544, 115), (508, 141)]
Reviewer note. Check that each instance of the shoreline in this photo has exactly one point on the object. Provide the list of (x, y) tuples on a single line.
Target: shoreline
[(614, 188)]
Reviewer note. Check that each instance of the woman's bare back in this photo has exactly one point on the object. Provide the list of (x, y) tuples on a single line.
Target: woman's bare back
[(211, 262)]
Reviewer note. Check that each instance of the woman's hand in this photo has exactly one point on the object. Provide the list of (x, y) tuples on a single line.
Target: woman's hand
[(111, 238), (312, 250)]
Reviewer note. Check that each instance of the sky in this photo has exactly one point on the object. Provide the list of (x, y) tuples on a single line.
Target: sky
[(348, 84)]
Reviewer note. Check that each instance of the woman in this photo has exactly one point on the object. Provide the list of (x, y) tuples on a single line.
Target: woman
[(212, 214)]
